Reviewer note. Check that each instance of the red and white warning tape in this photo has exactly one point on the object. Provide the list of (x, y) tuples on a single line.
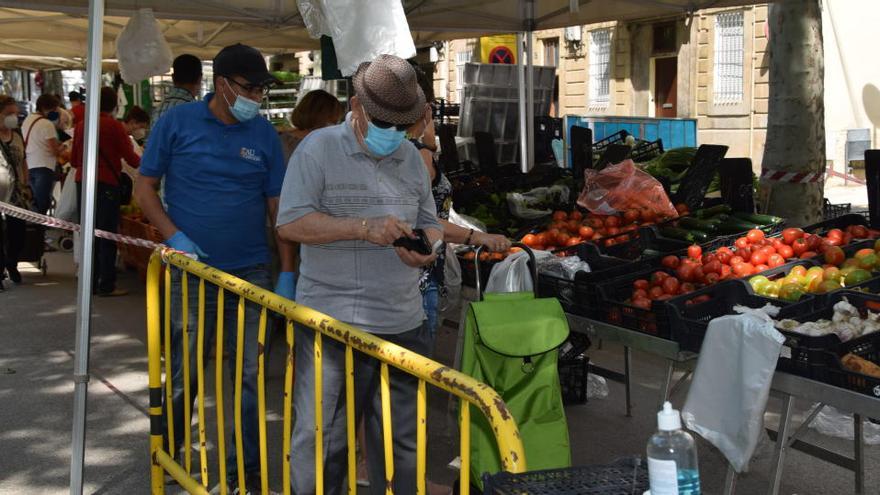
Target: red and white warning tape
[(47, 221), (794, 177)]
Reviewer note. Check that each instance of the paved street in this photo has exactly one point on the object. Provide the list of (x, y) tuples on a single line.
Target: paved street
[(36, 328)]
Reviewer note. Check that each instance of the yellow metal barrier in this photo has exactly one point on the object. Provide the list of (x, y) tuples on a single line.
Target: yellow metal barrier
[(468, 390)]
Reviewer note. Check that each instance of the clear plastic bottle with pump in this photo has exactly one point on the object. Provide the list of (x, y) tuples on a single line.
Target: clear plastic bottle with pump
[(672, 457)]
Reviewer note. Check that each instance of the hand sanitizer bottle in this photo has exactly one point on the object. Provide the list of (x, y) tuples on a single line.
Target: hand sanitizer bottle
[(672, 457)]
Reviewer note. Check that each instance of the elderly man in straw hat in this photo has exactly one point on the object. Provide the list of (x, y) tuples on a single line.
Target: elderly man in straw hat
[(350, 191)]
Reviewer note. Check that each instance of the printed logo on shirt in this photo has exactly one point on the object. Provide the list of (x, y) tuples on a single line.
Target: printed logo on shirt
[(250, 154)]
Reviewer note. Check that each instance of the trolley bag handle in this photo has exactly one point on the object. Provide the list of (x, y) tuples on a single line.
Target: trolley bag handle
[(532, 264)]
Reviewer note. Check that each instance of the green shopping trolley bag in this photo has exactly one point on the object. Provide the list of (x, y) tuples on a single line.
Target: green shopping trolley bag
[(510, 343)]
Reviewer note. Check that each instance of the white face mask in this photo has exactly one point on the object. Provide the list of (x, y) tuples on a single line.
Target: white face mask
[(139, 134), (10, 121)]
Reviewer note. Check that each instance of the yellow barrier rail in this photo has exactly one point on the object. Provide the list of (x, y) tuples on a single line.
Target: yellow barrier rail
[(469, 391)]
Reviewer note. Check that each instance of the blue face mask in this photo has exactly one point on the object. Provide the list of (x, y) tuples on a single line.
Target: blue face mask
[(53, 115), (383, 142), (243, 109)]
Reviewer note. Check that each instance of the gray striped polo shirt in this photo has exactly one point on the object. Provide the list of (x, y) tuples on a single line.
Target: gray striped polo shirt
[(358, 282)]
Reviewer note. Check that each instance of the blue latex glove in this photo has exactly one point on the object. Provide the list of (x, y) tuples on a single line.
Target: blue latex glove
[(286, 285), (181, 242)]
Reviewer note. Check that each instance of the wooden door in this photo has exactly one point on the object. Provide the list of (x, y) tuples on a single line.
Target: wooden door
[(666, 87)]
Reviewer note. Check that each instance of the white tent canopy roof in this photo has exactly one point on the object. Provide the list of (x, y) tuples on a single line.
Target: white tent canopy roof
[(60, 27)]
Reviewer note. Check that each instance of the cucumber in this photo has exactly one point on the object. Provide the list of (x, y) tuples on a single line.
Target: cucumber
[(694, 236), (692, 223), (711, 212), (734, 225), (757, 218)]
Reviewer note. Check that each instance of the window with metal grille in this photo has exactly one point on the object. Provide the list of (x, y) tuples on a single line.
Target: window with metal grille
[(551, 52), (461, 58), (729, 48), (600, 66)]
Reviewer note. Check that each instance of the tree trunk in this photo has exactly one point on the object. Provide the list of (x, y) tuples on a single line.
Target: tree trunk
[(796, 115)]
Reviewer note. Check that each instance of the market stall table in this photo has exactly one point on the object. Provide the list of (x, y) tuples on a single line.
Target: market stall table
[(787, 386)]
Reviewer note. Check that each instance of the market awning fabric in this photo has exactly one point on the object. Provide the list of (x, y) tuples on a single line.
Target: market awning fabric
[(59, 28)]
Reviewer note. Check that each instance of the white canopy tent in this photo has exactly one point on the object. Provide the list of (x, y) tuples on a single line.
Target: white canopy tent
[(73, 29)]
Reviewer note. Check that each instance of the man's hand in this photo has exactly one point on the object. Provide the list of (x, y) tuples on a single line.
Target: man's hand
[(180, 242), (385, 230), (414, 259), (493, 242)]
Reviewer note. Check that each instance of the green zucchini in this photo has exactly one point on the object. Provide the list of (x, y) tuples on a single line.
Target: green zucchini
[(711, 212), (757, 218), (694, 236), (734, 225), (692, 223)]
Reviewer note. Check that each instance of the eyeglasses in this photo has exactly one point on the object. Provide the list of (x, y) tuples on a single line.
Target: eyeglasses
[(385, 125), (263, 90)]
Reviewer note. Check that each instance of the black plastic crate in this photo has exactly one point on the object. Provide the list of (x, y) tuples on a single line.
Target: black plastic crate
[(573, 376), (838, 222), (689, 320), (613, 308), (624, 477), (648, 243), (831, 211), (805, 355), (468, 270), (579, 296), (867, 347), (574, 346)]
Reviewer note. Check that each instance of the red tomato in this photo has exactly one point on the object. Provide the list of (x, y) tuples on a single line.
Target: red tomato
[(670, 285), (744, 269), (596, 223), (813, 242), (847, 238), (630, 216), (708, 258), (530, 240), (726, 271), (724, 257), (834, 234), (612, 221), (642, 303), (799, 246), (775, 260), (768, 250), (670, 261), (761, 268), (686, 288), (809, 254), (755, 236), (789, 235), (639, 293), (655, 292), (724, 249), (742, 242), (560, 215), (745, 253), (647, 216), (574, 241), (575, 215), (785, 251), (758, 258), (612, 230), (664, 297), (681, 208), (736, 260), (698, 276), (695, 251), (658, 277), (712, 278), (586, 232), (713, 266), (573, 226), (685, 272), (776, 242), (562, 238)]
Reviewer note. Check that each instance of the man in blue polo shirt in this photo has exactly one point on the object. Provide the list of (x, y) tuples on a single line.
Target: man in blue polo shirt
[(223, 168)]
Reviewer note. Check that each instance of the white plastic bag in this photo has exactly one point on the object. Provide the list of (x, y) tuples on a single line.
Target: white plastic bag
[(66, 208), (465, 221), (597, 387), (141, 48), (834, 423), (512, 274), (361, 31), (522, 205), (728, 396)]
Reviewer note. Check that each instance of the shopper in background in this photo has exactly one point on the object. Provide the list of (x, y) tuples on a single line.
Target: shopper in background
[(136, 122), (113, 147), (17, 190), (432, 282), (42, 149), (77, 107), (223, 169), (315, 110), (187, 80), (350, 191)]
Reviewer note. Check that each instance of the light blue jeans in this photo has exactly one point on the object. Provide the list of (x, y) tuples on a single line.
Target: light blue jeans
[(431, 305)]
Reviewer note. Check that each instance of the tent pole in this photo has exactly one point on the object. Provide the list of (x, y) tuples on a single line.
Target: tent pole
[(521, 85), (87, 238), (530, 83)]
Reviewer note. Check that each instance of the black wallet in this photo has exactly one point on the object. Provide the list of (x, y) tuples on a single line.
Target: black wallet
[(420, 244)]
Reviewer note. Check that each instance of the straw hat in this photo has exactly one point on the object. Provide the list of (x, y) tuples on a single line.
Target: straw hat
[(389, 90)]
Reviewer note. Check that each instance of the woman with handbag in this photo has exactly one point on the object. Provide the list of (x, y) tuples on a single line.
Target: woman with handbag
[(114, 187), (17, 192)]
